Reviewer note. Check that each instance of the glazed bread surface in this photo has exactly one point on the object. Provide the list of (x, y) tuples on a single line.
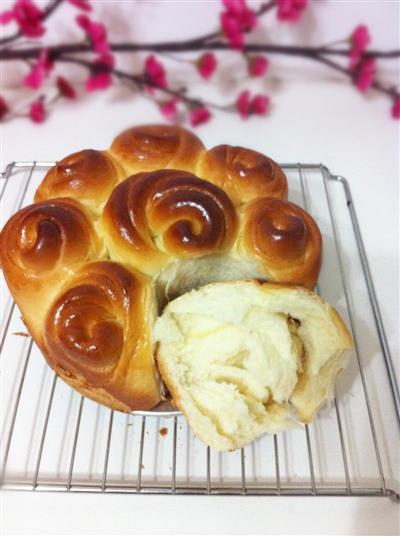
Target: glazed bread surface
[(153, 218), (152, 147), (88, 176), (97, 336)]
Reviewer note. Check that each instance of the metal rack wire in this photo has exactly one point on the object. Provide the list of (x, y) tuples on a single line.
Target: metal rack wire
[(173, 475)]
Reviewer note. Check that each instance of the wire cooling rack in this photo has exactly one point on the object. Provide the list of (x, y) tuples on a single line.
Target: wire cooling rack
[(55, 440)]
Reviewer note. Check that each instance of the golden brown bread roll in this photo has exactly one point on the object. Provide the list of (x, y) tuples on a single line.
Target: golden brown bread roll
[(39, 247), (70, 258), (153, 217), (285, 239), (244, 174), (97, 336), (152, 147), (88, 176)]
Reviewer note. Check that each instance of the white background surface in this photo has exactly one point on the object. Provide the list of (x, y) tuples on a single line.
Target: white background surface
[(313, 120)]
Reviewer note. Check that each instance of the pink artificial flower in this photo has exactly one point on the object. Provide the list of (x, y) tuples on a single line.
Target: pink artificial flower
[(206, 65), (396, 108), (169, 108), (99, 80), (4, 109), (106, 60), (235, 20), (6, 17), (39, 71), (257, 66), (243, 103), (245, 16), (246, 106), (232, 30), (65, 89), (83, 22), (100, 77), (81, 4), (365, 75), (155, 72), (200, 115), (359, 39), (234, 6), (290, 10), (28, 17), (96, 32), (37, 111), (260, 104)]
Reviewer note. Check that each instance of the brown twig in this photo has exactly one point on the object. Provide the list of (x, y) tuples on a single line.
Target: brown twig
[(178, 46)]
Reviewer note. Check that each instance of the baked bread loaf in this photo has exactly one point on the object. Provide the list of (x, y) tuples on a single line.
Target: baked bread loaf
[(113, 235), (244, 358)]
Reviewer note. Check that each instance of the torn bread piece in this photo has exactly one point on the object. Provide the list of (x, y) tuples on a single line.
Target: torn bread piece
[(245, 358)]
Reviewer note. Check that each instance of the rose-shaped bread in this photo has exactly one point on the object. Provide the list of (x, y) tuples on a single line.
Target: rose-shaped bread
[(88, 176), (284, 238), (245, 175), (39, 247), (115, 234), (97, 336), (152, 147), (153, 217)]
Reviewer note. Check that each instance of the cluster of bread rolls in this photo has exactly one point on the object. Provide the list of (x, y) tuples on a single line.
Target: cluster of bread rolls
[(114, 235)]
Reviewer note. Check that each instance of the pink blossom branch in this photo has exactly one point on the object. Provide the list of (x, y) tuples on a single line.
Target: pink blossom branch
[(138, 80), (236, 21), (141, 81), (312, 53)]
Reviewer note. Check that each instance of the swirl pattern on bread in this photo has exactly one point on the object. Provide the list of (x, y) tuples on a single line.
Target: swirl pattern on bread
[(285, 239), (153, 216), (97, 333), (152, 147), (244, 174)]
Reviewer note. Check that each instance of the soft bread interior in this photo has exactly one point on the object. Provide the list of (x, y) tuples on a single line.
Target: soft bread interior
[(244, 358)]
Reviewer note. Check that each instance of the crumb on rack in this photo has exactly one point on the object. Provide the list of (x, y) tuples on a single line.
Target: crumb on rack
[(163, 431), (21, 333)]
